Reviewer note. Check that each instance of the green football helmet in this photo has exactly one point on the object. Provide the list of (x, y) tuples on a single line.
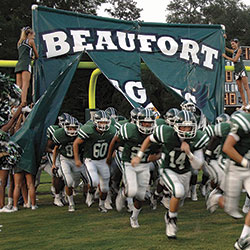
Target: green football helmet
[(102, 120), (133, 114), (222, 118), (188, 105), (71, 126), (170, 115), (145, 116), (183, 120), (112, 112)]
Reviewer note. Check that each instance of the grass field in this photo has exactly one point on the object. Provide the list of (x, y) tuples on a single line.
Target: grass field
[(50, 227)]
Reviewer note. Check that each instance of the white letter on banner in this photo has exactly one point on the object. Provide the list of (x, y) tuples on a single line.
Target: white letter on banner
[(122, 41), (79, 38), (56, 44), (145, 41), (162, 45), (189, 47), (209, 54), (132, 88), (104, 38)]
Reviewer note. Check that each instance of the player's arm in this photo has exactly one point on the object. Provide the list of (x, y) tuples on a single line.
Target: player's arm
[(112, 146), (229, 149), (211, 146), (196, 159), (32, 44), (49, 146), (76, 144), (145, 145), (55, 153), (236, 58)]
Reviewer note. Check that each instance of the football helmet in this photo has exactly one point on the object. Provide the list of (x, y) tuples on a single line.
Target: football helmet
[(112, 112), (62, 118), (71, 126), (188, 105), (183, 120), (133, 114), (170, 115), (222, 118), (145, 116), (102, 120)]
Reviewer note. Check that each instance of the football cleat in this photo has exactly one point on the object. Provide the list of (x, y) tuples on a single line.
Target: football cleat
[(107, 205), (203, 190), (57, 202), (120, 201), (243, 243), (89, 199), (171, 226), (245, 209), (212, 202), (71, 208), (194, 196), (102, 209), (134, 222), (34, 207), (6, 210), (235, 214)]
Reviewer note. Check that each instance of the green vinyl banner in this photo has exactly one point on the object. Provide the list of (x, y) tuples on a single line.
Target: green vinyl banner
[(186, 58)]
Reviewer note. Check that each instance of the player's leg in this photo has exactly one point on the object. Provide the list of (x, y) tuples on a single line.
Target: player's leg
[(104, 174), (130, 186), (3, 183), (93, 180), (246, 207), (143, 177), (244, 239)]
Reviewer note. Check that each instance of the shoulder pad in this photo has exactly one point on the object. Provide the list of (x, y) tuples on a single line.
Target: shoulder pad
[(127, 130), (86, 130)]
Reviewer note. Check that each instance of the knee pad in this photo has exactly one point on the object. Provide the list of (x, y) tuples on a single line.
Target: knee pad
[(179, 191)]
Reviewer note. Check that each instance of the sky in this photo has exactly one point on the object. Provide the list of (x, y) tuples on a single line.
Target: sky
[(153, 11)]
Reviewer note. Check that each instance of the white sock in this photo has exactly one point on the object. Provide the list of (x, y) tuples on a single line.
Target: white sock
[(135, 212), (101, 202), (247, 202), (172, 214), (10, 201), (130, 200), (70, 199), (57, 196), (245, 231), (193, 188)]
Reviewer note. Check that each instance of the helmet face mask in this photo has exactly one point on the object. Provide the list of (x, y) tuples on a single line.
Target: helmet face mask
[(62, 118), (189, 106), (112, 113), (71, 126), (102, 121), (185, 125), (145, 121)]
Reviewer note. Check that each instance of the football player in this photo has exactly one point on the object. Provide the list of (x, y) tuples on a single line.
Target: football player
[(135, 180), (237, 147), (181, 149), (63, 139), (95, 137), (201, 125)]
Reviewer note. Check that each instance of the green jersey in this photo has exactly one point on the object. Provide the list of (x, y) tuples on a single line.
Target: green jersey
[(64, 142), (95, 145), (240, 128), (160, 121), (209, 130), (50, 131), (132, 140), (118, 124), (172, 157)]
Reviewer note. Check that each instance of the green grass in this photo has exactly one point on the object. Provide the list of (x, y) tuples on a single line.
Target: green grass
[(50, 227)]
